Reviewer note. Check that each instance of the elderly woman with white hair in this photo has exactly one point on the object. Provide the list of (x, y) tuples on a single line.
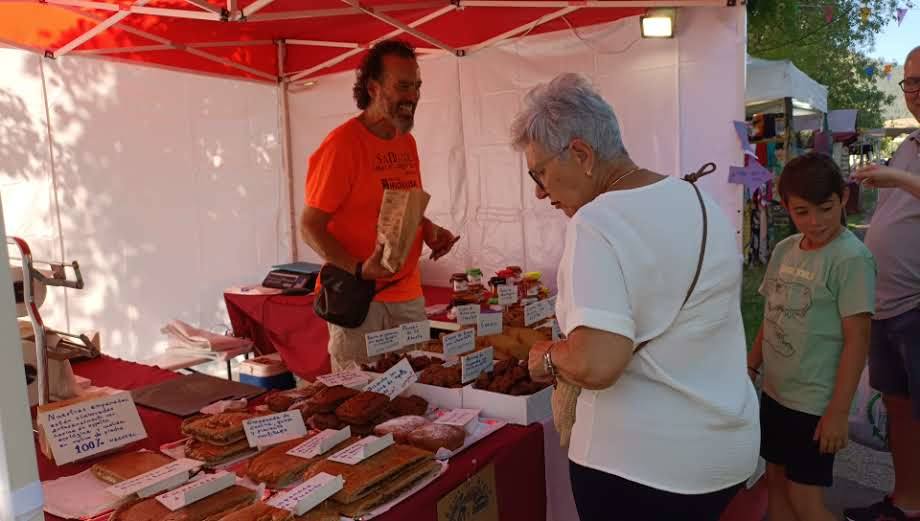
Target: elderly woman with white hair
[(666, 426)]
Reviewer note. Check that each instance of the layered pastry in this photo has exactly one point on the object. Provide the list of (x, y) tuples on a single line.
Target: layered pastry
[(264, 512), (387, 361), (259, 512), (394, 486), (212, 455), (124, 466), (211, 508), (218, 429), (434, 436), (327, 399), (366, 477), (400, 427), (277, 469), (362, 408)]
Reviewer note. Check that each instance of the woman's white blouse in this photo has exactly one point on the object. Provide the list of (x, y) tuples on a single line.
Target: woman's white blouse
[(683, 416)]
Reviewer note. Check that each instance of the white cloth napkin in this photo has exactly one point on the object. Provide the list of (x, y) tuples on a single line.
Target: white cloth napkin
[(184, 335)]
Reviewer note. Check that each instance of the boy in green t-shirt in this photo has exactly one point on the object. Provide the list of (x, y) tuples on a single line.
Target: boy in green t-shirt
[(820, 295)]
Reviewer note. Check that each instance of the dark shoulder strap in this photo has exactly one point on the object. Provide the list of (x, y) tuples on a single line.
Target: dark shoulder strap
[(699, 262)]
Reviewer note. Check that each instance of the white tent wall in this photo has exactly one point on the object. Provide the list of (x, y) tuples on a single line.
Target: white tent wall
[(676, 100), (169, 189)]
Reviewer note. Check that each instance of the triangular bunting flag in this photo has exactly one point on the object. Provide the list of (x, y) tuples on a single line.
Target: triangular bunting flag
[(870, 71), (901, 13), (864, 14), (828, 13)]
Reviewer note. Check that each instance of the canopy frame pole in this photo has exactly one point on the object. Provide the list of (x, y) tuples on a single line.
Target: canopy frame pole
[(409, 29), (523, 28), (286, 159), (344, 56)]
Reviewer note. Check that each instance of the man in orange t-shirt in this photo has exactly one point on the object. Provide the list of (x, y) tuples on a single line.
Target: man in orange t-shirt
[(345, 182)]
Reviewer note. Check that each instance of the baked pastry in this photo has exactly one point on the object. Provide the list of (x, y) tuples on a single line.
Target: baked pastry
[(387, 361), (361, 429), (437, 435), (120, 467), (277, 469), (213, 455), (218, 429), (327, 399), (391, 489), (259, 512), (211, 508), (280, 401), (509, 377), (362, 408), (441, 376), (400, 427), (408, 406), (363, 479), (322, 421)]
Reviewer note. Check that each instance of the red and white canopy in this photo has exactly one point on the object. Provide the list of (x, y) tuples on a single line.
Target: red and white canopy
[(272, 40)]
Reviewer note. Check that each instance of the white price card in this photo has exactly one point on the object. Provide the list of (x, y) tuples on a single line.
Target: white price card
[(354, 379), (557, 332), (456, 344), (396, 380), (466, 419), (303, 498), (363, 449), (468, 314), (321, 443), (380, 342), (87, 428), (196, 490), (415, 333), (507, 294), (157, 480), (489, 324), (551, 302), (262, 431), (534, 312), (474, 364)]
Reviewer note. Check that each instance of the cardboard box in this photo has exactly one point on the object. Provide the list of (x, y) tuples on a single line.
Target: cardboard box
[(438, 396), (520, 410)]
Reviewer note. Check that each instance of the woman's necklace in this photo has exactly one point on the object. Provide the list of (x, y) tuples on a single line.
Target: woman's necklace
[(617, 180)]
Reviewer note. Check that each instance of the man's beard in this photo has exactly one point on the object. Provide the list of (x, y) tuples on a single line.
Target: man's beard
[(402, 115)]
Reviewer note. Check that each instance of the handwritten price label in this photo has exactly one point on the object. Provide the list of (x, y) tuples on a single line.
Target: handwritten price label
[(87, 428), (476, 363), (380, 342), (467, 314), (489, 324), (196, 490), (507, 294), (274, 428), (414, 333), (463, 341), (396, 380)]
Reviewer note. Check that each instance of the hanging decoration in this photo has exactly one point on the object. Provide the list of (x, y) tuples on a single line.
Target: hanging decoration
[(864, 14), (887, 70), (901, 13), (870, 71), (828, 13)]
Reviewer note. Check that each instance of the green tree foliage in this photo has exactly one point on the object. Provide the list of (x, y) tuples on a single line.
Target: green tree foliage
[(833, 54)]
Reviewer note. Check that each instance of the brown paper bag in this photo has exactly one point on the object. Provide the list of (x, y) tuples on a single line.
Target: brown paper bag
[(400, 216)]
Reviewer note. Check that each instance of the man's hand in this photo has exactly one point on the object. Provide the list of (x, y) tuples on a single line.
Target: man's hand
[(372, 269), (832, 432), (535, 362), (440, 240), (878, 176)]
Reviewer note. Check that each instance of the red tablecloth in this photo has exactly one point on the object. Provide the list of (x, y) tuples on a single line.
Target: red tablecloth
[(517, 453), (287, 324)]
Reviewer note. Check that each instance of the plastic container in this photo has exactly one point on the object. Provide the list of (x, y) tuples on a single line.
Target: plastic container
[(267, 372)]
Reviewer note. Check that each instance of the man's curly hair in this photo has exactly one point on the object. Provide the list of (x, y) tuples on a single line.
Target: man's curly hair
[(372, 67)]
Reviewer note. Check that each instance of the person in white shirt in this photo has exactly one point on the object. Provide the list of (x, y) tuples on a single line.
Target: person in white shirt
[(671, 431)]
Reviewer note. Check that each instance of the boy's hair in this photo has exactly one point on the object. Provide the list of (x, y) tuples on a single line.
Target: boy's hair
[(813, 177)]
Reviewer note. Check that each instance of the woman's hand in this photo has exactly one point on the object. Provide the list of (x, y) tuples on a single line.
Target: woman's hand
[(535, 362), (879, 176)]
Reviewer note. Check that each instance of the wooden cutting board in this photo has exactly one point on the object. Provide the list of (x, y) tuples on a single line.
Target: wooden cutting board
[(186, 395)]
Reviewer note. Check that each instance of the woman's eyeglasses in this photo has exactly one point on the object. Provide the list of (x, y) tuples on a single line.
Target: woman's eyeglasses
[(537, 171)]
